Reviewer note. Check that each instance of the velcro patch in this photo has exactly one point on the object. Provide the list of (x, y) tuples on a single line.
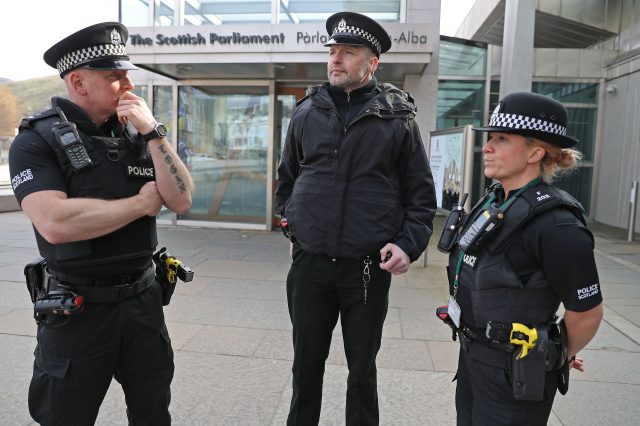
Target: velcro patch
[(539, 196)]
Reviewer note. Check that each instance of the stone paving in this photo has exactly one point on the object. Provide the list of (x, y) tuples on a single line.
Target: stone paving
[(231, 336)]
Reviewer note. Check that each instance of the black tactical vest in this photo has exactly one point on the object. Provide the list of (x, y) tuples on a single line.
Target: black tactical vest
[(120, 168), (488, 288)]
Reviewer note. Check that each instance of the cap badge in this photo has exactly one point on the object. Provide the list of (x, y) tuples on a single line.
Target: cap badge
[(497, 110), (115, 37), (342, 25)]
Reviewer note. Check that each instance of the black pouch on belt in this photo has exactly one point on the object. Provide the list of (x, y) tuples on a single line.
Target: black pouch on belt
[(34, 274), (528, 371)]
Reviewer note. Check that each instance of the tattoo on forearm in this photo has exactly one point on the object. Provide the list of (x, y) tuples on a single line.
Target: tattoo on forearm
[(181, 186), (172, 168)]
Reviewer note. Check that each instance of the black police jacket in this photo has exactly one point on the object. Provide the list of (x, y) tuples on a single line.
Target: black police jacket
[(488, 287), (347, 189), (121, 166)]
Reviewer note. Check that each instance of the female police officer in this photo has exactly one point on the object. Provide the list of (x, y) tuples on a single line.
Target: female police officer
[(520, 251)]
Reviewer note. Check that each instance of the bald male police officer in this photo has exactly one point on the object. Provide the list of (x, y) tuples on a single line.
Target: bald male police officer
[(92, 191), (357, 197)]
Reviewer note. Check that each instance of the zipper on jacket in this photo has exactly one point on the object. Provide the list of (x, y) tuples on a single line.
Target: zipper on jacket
[(346, 123)]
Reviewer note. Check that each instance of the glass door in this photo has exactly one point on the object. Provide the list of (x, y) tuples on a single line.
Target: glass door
[(223, 137)]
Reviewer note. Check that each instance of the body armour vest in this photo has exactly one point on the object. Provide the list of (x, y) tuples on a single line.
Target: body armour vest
[(120, 168), (488, 288)]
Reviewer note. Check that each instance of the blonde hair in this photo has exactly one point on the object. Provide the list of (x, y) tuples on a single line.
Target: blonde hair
[(556, 161)]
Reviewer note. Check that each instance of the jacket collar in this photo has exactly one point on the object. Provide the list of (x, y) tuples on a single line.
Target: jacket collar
[(340, 96), (388, 98), (77, 115)]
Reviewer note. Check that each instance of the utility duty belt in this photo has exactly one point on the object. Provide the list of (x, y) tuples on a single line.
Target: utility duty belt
[(53, 293), (104, 291), (527, 352), (66, 295)]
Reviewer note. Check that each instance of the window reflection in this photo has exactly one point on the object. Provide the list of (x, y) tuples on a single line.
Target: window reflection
[(135, 13), (301, 11), (218, 12), (462, 57), (580, 100), (223, 138), (459, 103), (163, 112), (165, 13)]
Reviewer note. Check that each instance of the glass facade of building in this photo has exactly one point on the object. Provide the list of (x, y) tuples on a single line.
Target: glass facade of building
[(301, 11), (223, 138), (462, 92), (230, 135), (223, 130), (220, 12), (581, 100)]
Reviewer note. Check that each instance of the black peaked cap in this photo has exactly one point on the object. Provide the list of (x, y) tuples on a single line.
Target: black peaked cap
[(100, 46), (356, 29), (531, 114)]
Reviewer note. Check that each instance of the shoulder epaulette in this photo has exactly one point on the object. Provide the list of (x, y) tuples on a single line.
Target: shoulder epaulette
[(27, 123)]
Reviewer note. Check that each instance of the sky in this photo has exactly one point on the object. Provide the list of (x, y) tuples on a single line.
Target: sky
[(29, 27)]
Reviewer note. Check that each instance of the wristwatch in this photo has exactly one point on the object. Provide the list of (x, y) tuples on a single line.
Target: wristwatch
[(160, 131)]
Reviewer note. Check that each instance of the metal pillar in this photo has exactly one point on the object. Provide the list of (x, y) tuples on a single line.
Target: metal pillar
[(517, 47), (632, 210)]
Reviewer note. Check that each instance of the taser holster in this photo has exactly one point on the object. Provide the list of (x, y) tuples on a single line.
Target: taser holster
[(168, 271), (528, 371)]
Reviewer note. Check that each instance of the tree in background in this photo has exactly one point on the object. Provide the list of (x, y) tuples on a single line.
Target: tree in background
[(9, 114)]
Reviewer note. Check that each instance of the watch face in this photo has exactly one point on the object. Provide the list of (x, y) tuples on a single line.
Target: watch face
[(161, 129)]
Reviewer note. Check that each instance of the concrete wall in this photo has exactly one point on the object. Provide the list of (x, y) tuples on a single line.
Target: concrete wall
[(567, 64), (620, 156), (424, 87), (8, 202)]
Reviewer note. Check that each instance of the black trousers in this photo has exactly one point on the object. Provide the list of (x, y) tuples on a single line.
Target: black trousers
[(484, 396), (75, 361), (319, 289)]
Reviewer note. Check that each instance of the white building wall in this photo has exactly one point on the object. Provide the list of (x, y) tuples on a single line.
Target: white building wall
[(620, 158), (620, 155), (424, 87)]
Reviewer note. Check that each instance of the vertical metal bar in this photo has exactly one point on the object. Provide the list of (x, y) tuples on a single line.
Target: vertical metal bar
[(403, 11), (597, 150), (467, 156), (632, 210), (271, 173)]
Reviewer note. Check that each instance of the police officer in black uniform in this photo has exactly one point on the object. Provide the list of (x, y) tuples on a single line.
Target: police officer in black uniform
[(357, 197), (92, 190), (520, 252)]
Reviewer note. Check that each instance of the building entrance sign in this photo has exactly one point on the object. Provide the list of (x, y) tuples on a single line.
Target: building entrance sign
[(407, 38)]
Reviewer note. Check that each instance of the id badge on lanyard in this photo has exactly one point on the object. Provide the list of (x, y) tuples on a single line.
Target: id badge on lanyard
[(454, 311)]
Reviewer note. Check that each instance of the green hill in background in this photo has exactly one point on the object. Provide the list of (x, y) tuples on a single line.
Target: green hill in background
[(34, 95), (21, 99)]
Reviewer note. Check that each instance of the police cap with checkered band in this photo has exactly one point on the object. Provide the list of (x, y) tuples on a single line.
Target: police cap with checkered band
[(100, 46), (534, 115), (356, 29)]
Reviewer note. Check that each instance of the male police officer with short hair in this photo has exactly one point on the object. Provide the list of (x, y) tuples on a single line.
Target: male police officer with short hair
[(355, 186), (92, 191)]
